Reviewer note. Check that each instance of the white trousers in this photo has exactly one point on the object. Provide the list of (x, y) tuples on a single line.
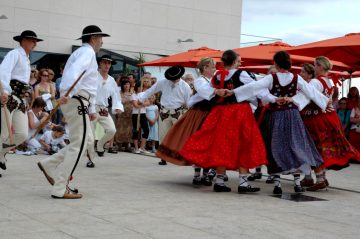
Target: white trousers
[(19, 124), (109, 128), (166, 124), (60, 165)]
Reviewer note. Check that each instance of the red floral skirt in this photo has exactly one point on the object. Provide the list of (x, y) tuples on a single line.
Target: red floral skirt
[(330, 140), (354, 139), (229, 137)]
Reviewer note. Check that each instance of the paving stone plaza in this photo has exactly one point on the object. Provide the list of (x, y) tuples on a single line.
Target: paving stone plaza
[(131, 196)]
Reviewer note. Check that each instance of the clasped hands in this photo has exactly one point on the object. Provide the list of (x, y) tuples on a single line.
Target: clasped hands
[(223, 92), (284, 100)]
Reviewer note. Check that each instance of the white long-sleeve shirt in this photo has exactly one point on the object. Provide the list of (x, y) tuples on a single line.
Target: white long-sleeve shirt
[(106, 88), (83, 58), (303, 100), (247, 91), (174, 95), (204, 91), (15, 66)]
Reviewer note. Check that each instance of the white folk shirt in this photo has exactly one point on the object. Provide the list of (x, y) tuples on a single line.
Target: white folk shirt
[(15, 66), (247, 91), (303, 100), (106, 88), (204, 91), (83, 58), (174, 95)]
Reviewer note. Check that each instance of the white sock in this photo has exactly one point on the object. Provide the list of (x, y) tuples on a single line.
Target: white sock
[(197, 172), (219, 179), (277, 181), (296, 179), (243, 180)]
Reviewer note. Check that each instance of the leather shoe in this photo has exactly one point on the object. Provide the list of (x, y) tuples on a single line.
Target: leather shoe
[(2, 165), (90, 164), (205, 180), (162, 162), (299, 189), (277, 190), (48, 178), (317, 186), (221, 188), (255, 176), (100, 154), (247, 189), (112, 151), (307, 182), (68, 195), (197, 181), (270, 179)]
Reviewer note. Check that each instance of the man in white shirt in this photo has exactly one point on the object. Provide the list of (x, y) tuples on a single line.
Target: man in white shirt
[(78, 109), (174, 99), (107, 87), (15, 76)]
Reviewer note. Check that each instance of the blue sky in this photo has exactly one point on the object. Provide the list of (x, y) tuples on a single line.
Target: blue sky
[(299, 21)]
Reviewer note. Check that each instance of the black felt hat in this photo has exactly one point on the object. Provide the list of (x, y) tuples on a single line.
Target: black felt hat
[(107, 58), (27, 34), (174, 73), (92, 30)]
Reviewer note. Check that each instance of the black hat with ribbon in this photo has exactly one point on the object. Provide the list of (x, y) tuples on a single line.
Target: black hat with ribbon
[(174, 72), (107, 58), (92, 30), (27, 34)]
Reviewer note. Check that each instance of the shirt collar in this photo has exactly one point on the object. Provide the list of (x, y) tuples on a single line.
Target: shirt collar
[(22, 51)]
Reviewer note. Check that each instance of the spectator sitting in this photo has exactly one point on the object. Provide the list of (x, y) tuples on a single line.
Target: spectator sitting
[(36, 117), (53, 141)]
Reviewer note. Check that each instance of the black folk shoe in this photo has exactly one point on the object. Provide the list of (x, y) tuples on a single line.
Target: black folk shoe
[(221, 188), (277, 190), (247, 189), (255, 176)]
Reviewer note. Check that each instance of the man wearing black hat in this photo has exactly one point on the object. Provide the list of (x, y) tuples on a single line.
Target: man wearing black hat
[(15, 76), (78, 109), (174, 98), (107, 87)]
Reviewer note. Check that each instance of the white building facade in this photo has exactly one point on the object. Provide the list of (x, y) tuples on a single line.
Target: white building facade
[(154, 27)]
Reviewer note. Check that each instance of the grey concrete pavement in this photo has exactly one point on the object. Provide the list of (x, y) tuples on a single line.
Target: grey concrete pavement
[(131, 196)]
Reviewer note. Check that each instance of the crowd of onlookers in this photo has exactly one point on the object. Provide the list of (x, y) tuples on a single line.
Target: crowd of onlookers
[(130, 130), (348, 110)]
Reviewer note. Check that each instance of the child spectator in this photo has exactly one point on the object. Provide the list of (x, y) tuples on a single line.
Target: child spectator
[(53, 141), (152, 115)]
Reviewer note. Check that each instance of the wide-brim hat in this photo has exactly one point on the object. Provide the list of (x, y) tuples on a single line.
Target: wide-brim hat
[(174, 73), (107, 58), (92, 30), (27, 34)]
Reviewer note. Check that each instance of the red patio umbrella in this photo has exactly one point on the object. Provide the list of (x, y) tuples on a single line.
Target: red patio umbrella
[(345, 49), (262, 54), (189, 58)]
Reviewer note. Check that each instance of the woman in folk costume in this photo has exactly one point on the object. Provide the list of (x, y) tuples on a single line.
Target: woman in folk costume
[(229, 138), (326, 130), (292, 149), (191, 121)]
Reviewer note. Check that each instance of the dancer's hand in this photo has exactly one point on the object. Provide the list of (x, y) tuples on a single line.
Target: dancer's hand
[(281, 100), (63, 100), (4, 98), (220, 92), (92, 116), (228, 93)]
